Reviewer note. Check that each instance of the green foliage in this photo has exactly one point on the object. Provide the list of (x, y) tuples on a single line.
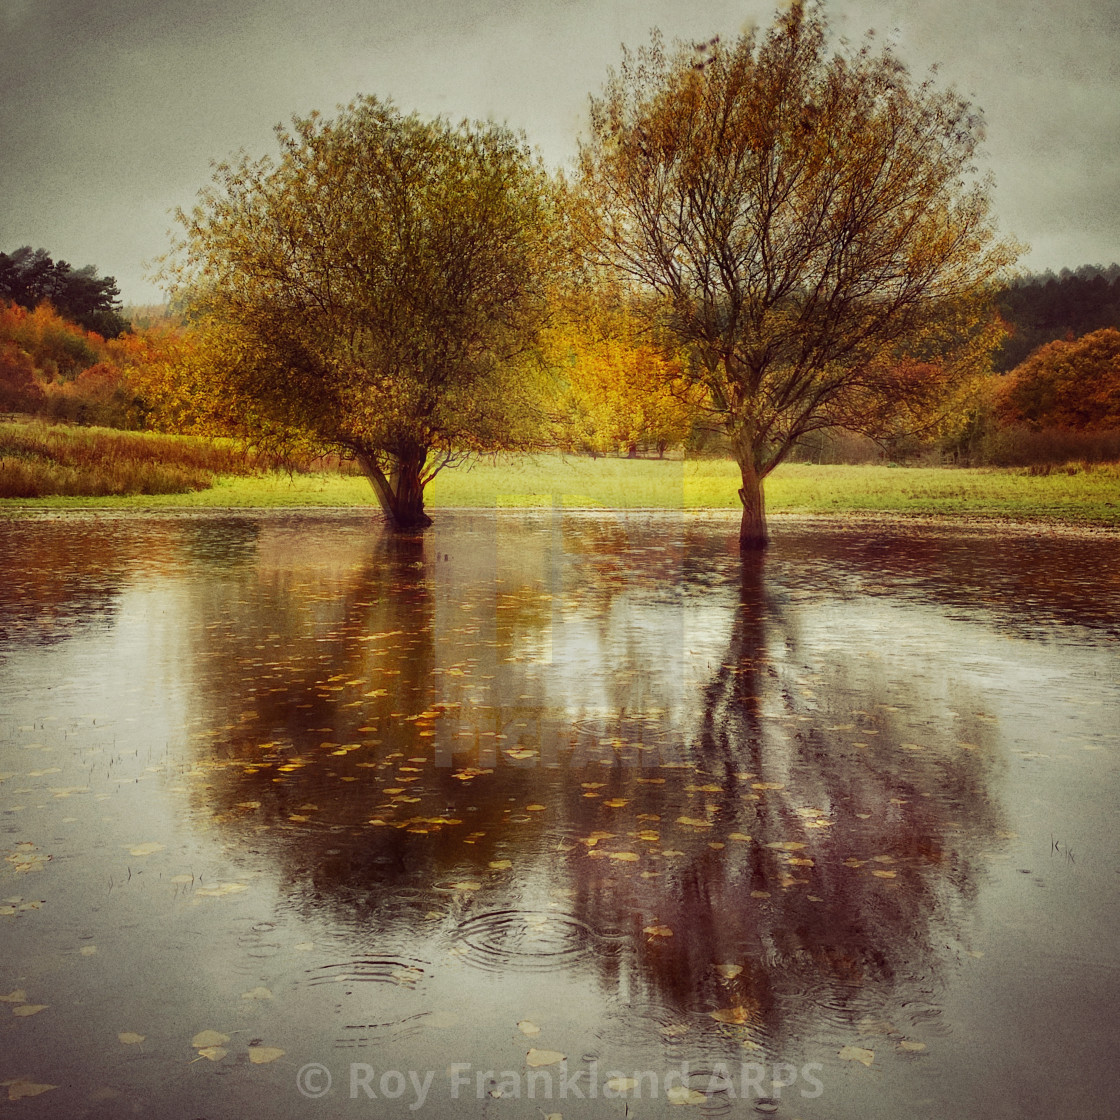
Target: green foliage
[(30, 277), (376, 290)]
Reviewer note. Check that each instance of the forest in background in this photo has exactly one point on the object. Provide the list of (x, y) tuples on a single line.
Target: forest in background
[(1054, 395)]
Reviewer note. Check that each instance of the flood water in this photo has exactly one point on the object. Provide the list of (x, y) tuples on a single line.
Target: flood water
[(557, 813)]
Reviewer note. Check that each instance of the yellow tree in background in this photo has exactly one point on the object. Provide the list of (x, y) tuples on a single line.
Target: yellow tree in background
[(615, 388)]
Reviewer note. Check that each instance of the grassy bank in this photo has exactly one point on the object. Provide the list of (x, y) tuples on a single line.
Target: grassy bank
[(1088, 496), (45, 462)]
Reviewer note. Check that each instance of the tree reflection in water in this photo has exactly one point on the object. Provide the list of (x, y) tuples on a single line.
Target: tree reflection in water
[(455, 743)]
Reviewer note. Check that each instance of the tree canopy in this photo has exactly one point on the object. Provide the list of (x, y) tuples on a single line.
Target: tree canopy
[(1073, 385), (377, 289), (808, 223), (29, 277)]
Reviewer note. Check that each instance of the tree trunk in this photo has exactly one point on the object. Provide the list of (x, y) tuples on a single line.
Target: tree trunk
[(401, 495), (752, 529)]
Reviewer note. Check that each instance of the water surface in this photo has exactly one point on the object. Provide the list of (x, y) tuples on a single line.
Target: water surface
[(829, 834)]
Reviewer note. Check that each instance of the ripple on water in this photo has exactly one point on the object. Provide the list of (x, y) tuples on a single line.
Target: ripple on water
[(403, 972), (522, 940)]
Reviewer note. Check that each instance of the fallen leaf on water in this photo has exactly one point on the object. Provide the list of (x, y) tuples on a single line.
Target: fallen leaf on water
[(209, 1038), (658, 931), (787, 845), (88, 950), (521, 752), (145, 849), (535, 808), (621, 1084), (768, 785), (526, 1027), (625, 857), (694, 822), (26, 1009), (536, 1058), (913, 1047), (212, 1053), (257, 993), (305, 946), (131, 1038), (682, 1094), (884, 874), (738, 836), (219, 890), (857, 1054), (18, 996), (734, 1015), (500, 864), (21, 1087), (466, 885), (617, 802), (262, 1055), (729, 971), (675, 1030)]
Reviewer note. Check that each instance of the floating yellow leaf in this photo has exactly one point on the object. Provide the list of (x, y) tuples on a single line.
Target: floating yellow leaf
[(262, 1055), (912, 1047), (535, 808), (624, 857), (738, 836), (257, 993), (768, 785), (466, 885), (884, 874), (501, 864), (857, 1054), (621, 1084), (682, 1094), (88, 950), (787, 846), (219, 890), (736, 1016), (131, 1038), (521, 752), (21, 1087), (209, 1038), (213, 1053), (617, 802), (729, 971), (146, 849), (693, 822), (536, 1058), (527, 1027), (26, 1009), (18, 996), (658, 931), (305, 946)]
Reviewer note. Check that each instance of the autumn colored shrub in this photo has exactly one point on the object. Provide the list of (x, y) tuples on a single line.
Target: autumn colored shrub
[(1069, 385)]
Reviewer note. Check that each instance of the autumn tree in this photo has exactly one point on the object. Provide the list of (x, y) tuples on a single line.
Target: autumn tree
[(377, 289), (615, 387), (1072, 385), (808, 221)]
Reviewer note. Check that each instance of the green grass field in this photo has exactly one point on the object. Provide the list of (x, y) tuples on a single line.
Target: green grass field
[(1086, 496)]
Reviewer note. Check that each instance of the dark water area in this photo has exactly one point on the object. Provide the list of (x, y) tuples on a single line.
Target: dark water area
[(554, 813)]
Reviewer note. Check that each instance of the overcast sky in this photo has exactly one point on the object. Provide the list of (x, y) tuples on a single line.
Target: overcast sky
[(111, 110)]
